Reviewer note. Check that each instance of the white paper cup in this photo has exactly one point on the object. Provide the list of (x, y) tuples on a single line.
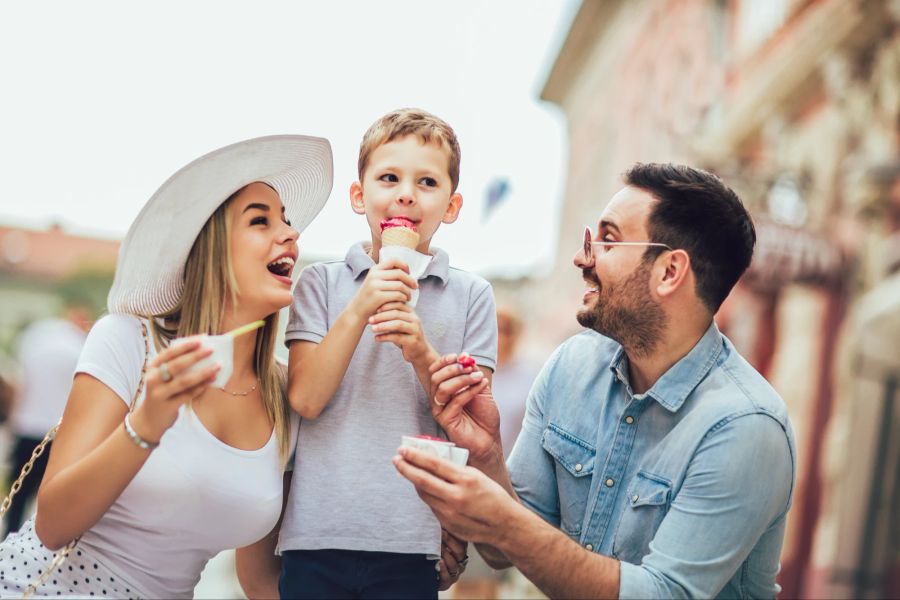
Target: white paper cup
[(442, 449), (416, 261), (459, 456), (223, 353)]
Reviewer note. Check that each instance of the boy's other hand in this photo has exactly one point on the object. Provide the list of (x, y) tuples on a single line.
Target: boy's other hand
[(398, 323), (386, 282), (454, 558)]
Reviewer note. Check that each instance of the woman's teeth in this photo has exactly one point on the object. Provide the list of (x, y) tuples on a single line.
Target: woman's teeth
[(281, 266)]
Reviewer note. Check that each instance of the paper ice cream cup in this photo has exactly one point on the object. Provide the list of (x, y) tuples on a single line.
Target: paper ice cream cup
[(441, 448), (416, 261), (223, 353), (459, 456)]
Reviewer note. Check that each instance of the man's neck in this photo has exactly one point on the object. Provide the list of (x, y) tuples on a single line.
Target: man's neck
[(645, 370)]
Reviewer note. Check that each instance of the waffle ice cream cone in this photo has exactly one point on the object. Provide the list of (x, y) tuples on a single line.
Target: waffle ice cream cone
[(399, 240), (400, 236)]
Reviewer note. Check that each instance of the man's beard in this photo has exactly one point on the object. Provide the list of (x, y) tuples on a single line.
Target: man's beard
[(626, 312)]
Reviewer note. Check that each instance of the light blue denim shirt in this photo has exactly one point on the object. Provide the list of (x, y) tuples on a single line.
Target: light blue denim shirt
[(687, 484)]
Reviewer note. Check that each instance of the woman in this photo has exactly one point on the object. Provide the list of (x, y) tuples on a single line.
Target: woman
[(194, 469)]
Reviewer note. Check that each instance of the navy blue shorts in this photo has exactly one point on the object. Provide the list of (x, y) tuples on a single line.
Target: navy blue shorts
[(356, 574)]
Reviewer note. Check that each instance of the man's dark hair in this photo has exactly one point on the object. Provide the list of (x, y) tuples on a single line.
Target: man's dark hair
[(696, 212)]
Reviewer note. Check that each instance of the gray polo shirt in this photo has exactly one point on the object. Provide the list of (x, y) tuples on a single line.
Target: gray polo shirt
[(346, 493)]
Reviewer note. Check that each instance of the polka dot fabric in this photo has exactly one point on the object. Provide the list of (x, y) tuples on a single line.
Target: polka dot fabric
[(23, 558)]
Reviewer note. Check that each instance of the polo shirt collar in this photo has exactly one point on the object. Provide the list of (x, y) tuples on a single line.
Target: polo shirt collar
[(360, 262), (676, 384)]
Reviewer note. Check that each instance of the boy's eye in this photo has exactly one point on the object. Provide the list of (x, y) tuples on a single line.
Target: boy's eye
[(389, 177), (429, 181), (259, 221)]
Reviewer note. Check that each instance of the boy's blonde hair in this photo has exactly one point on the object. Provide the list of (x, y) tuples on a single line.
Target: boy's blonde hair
[(411, 121)]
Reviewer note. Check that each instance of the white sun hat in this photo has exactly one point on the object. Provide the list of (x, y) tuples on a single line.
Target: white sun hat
[(150, 270)]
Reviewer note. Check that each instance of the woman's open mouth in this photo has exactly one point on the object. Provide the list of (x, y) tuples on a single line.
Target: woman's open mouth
[(281, 268)]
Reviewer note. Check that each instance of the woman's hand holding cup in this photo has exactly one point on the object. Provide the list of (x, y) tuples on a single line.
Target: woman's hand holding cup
[(170, 383)]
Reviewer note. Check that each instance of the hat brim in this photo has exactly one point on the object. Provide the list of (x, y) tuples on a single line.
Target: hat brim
[(150, 268)]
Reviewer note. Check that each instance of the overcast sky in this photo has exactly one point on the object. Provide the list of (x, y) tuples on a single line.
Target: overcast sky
[(102, 101)]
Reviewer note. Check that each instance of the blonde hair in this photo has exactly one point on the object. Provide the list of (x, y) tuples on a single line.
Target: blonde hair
[(208, 278), (411, 121)]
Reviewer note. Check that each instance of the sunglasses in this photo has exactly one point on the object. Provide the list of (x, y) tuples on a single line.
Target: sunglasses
[(589, 244)]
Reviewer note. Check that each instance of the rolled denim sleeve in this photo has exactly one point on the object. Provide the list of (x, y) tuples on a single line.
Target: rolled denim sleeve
[(531, 469), (735, 494)]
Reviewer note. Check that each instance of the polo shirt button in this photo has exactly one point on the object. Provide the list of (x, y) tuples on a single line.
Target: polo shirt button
[(635, 498), (610, 483), (589, 547), (578, 468), (629, 419)]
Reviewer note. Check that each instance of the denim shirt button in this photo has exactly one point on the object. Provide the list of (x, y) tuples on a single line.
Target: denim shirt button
[(629, 419), (610, 483), (578, 468), (589, 547)]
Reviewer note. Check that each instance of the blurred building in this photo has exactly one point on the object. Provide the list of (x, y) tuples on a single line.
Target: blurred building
[(38, 268), (792, 102)]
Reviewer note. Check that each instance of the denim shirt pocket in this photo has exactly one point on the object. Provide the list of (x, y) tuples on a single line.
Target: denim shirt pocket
[(574, 466), (648, 501)]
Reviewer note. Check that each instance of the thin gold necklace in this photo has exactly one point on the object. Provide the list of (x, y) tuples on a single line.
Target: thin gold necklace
[(253, 387)]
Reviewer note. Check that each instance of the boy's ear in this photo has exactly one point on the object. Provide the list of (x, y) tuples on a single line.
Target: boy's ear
[(356, 198), (456, 202)]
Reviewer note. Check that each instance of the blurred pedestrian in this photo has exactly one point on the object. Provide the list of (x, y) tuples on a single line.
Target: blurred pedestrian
[(48, 351), (514, 376)]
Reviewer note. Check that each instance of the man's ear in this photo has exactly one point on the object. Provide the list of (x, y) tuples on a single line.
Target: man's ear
[(356, 198), (677, 272), (452, 212)]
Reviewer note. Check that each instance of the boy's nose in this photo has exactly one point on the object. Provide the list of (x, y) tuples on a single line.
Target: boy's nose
[(406, 199)]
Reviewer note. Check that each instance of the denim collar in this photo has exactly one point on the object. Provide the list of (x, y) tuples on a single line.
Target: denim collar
[(676, 384), (360, 262)]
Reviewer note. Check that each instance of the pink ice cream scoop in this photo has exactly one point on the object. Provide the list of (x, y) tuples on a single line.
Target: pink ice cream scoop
[(466, 361), (399, 231), (397, 222)]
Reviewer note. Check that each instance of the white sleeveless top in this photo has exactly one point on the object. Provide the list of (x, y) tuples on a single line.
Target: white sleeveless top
[(194, 497)]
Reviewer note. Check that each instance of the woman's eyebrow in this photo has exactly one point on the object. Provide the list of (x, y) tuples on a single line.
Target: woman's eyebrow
[(257, 206)]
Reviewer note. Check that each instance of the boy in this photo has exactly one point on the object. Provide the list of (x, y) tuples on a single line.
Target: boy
[(358, 375)]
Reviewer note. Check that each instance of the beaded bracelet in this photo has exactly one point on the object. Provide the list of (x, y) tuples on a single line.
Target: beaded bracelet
[(136, 438)]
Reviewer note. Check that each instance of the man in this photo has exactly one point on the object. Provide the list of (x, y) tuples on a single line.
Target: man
[(654, 461)]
